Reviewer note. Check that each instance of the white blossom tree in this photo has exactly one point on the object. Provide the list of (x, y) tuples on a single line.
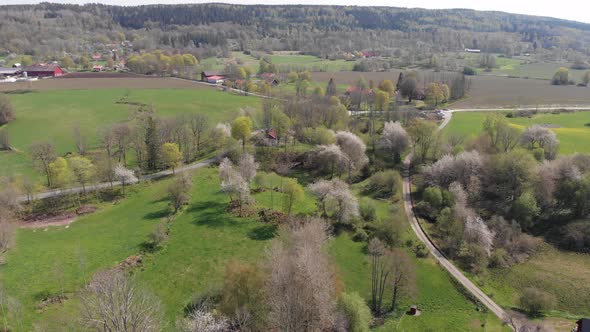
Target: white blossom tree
[(476, 231), (126, 176), (354, 148), (336, 199), (331, 159), (539, 136), (233, 183), (248, 167), (204, 321), (394, 140)]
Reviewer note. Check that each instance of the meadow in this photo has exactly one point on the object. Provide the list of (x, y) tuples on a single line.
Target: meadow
[(202, 240), (572, 129), (51, 115)]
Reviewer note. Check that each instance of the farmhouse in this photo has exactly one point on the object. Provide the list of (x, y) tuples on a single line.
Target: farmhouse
[(43, 71), (212, 76), (97, 68)]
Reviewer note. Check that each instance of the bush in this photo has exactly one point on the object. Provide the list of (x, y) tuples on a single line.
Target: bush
[(534, 301), (383, 184), (389, 232), (368, 211), (469, 71), (475, 257), (357, 312), (6, 110), (576, 236), (320, 136), (420, 250), (360, 235), (499, 258)]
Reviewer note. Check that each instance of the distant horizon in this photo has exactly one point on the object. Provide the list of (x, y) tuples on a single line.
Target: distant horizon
[(563, 10)]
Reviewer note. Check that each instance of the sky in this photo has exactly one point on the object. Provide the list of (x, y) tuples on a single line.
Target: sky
[(575, 10)]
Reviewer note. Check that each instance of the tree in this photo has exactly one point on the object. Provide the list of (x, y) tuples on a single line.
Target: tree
[(179, 191), (202, 320), (152, 142), (233, 183), (423, 134), (357, 312), (198, 124), (293, 194), (535, 301), (331, 159), (171, 155), (507, 137), (121, 136), (331, 88), (384, 184), (387, 86), (403, 276), (243, 297), (336, 200), (79, 140), (408, 87), (113, 302), (586, 78), (561, 77), (7, 233), (85, 62), (248, 167), (6, 110), (394, 140), (126, 176), (354, 148), (509, 174), (60, 172), (4, 141), (242, 129), (379, 274), (434, 94), (67, 62), (525, 209), (537, 136), (301, 290), (83, 170)]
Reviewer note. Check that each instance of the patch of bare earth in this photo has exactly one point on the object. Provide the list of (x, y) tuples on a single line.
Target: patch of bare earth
[(62, 219)]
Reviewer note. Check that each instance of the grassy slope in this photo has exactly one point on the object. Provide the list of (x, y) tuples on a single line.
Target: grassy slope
[(51, 115), (444, 307), (572, 132)]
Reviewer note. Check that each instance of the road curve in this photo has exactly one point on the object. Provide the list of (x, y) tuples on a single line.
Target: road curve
[(438, 255)]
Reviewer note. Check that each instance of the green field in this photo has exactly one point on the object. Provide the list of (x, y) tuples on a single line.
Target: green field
[(571, 128), (284, 62), (51, 116)]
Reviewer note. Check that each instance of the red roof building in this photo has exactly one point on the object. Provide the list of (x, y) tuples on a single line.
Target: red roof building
[(44, 71)]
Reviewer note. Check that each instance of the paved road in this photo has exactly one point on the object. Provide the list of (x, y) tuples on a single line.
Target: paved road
[(104, 185), (438, 255)]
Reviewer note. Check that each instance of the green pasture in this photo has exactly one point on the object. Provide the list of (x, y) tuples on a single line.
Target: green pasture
[(50, 116), (572, 129)]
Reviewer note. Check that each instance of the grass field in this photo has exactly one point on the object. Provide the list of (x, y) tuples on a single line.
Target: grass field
[(51, 115), (571, 128)]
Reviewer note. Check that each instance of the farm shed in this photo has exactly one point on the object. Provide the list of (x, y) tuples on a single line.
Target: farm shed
[(208, 74), (215, 79), (9, 72), (44, 71)]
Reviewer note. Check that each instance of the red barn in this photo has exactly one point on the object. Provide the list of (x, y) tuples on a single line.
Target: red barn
[(44, 71)]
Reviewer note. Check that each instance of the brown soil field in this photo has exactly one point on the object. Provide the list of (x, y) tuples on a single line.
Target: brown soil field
[(490, 91), (486, 91), (88, 81)]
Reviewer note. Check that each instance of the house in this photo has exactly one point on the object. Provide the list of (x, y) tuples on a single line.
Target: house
[(215, 79), (97, 57), (472, 50), (271, 134), (583, 325), (43, 71), (9, 72), (205, 75), (270, 78), (97, 68)]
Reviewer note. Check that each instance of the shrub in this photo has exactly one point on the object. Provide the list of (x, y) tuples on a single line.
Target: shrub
[(383, 184), (420, 250), (320, 136), (499, 258), (469, 71), (360, 235), (576, 236), (368, 211), (390, 232), (534, 301), (6, 110), (475, 257), (357, 312)]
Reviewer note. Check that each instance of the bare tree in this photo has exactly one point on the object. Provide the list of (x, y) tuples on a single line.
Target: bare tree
[(113, 302), (379, 274), (403, 276), (301, 290), (507, 137), (179, 191), (198, 124), (43, 154), (122, 137), (4, 141), (80, 140), (519, 323)]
